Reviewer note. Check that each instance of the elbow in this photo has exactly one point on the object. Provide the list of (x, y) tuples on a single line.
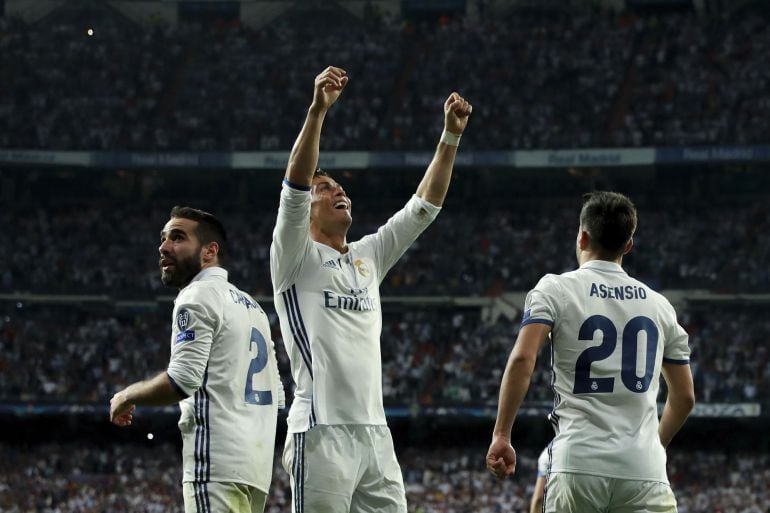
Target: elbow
[(689, 401), (186, 380), (685, 402), (523, 365)]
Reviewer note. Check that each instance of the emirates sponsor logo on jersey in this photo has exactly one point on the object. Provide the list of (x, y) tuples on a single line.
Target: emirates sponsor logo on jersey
[(354, 303)]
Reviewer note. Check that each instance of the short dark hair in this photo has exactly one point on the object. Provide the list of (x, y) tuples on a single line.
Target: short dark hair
[(610, 220), (210, 229), (320, 172)]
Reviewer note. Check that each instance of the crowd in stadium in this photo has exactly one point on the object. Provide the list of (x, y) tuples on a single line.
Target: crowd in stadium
[(676, 246), (632, 80), (144, 478), (561, 79), (431, 356)]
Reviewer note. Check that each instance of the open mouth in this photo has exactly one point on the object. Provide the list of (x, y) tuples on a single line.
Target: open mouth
[(167, 264), (341, 205)]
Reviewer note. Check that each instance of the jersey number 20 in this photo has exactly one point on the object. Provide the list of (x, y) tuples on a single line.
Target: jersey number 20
[(259, 362), (585, 384)]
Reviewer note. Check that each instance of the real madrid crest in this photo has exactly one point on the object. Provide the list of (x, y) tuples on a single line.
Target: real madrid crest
[(361, 267)]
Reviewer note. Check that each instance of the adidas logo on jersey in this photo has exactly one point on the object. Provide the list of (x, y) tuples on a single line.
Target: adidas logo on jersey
[(331, 264)]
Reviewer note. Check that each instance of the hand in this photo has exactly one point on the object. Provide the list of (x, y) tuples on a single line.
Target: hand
[(121, 411), (456, 113), (328, 86), (501, 457)]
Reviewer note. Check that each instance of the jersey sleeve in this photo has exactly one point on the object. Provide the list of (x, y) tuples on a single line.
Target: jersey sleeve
[(291, 236), (542, 303), (395, 236), (197, 314), (677, 348)]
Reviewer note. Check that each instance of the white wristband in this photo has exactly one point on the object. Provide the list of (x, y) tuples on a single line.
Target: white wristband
[(450, 139)]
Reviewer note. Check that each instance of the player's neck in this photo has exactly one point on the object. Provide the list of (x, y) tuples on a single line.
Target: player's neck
[(337, 241), (588, 256)]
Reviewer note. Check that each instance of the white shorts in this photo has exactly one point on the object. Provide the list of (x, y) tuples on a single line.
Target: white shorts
[(344, 469), (582, 493), (215, 497)]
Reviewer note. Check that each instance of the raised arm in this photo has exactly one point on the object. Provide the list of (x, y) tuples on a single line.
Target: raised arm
[(303, 159), (435, 183)]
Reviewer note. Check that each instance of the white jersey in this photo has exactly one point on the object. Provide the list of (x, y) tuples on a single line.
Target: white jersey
[(223, 362), (543, 462), (329, 307), (610, 335)]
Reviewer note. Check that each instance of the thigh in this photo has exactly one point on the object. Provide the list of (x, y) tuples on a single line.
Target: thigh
[(322, 466), (642, 497), (381, 487), (215, 497), (576, 493)]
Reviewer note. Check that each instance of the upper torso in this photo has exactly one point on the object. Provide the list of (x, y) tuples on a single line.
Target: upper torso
[(329, 308), (610, 335), (221, 342)]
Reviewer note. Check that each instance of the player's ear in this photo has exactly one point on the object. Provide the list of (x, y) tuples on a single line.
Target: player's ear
[(629, 245), (210, 252), (584, 240)]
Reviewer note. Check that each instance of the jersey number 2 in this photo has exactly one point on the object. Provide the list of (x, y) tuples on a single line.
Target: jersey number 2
[(259, 362), (585, 384)]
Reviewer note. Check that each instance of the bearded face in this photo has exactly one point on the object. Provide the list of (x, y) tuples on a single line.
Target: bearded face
[(180, 252), (178, 272)]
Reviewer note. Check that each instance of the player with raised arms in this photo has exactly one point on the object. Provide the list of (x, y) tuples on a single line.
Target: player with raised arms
[(339, 451), (612, 337)]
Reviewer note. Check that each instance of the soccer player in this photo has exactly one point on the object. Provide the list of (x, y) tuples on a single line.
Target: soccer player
[(538, 494), (223, 370), (339, 452), (612, 337)]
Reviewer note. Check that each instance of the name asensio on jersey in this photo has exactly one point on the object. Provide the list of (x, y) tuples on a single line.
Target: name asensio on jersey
[(622, 292), (340, 302)]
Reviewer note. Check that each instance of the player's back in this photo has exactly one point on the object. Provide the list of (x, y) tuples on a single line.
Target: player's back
[(229, 424), (609, 337)]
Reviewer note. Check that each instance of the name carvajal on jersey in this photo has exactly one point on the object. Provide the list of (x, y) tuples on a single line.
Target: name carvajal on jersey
[(244, 300), (624, 292)]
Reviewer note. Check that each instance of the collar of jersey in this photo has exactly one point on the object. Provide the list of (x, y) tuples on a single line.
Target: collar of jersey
[(210, 272), (603, 265)]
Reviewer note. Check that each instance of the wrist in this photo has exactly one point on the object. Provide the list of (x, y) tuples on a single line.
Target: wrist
[(450, 138), (504, 436), (316, 110)]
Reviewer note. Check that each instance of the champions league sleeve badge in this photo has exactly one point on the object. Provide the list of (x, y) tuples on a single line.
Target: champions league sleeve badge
[(182, 319)]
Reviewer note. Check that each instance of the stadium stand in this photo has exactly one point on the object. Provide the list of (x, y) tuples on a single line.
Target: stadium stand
[(143, 478), (431, 355), (82, 311), (634, 80)]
